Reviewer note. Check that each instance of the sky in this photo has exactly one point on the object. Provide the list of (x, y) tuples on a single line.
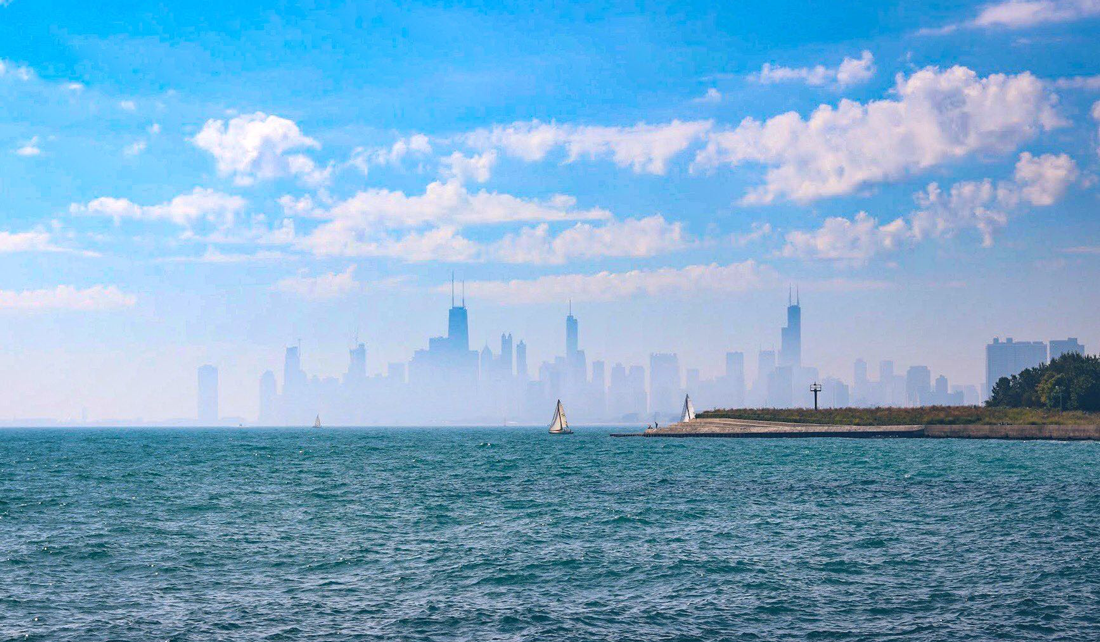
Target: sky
[(186, 183)]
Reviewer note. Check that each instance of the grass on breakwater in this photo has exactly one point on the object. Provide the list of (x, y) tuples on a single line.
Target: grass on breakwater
[(929, 415)]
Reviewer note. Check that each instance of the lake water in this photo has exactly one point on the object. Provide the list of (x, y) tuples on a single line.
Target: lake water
[(513, 534)]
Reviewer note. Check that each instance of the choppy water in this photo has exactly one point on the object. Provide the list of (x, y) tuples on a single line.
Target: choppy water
[(511, 534)]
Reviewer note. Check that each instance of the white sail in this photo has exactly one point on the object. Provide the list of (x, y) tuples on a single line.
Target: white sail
[(689, 410), (559, 424), (317, 422)]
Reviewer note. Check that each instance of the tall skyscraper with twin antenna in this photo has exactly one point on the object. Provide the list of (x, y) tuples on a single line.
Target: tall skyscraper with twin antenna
[(790, 347)]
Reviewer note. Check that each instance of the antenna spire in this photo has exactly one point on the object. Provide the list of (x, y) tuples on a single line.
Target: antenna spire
[(570, 306), (797, 299), (788, 295)]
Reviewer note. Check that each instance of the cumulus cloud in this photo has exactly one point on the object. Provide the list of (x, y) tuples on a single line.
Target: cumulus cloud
[(215, 256), (135, 148), (466, 168), (33, 241), (67, 297), (29, 148), (330, 285), (186, 209), (607, 286), (256, 147), (1078, 82), (1020, 14), (635, 238), (850, 71), (644, 148), (841, 239), (937, 116), (355, 226), (967, 205), (757, 232), (364, 158), (128, 105), (711, 97)]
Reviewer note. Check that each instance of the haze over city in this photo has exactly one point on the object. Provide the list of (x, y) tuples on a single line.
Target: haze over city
[(213, 185)]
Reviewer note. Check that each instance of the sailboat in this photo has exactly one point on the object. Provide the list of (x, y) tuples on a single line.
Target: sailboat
[(559, 425), (688, 413), (317, 422)]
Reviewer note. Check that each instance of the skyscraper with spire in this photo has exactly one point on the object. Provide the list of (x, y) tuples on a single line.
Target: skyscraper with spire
[(790, 347)]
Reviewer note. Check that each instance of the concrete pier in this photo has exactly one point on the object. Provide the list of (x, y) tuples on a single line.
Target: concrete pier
[(741, 428)]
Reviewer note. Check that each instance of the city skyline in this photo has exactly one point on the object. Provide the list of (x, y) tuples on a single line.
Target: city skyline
[(448, 383), (187, 187)]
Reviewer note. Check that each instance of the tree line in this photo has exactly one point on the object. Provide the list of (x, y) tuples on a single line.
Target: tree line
[(1070, 382)]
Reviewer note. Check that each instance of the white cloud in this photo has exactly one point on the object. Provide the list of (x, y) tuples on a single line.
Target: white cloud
[(215, 256), (1020, 14), (135, 148), (256, 147), (840, 239), (33, 241), (357, 225), (1078, 82), (67, 297), (128, 105), (185, 209), (29, 148), (978, 205), (1096, 117), (9, 69), (645, 148), (364, 158), (330, 285), (1043, 180), (711, 97), (608, 286), (635, 238), (466, 168), (850, 71), (938, 116), (758, 232)]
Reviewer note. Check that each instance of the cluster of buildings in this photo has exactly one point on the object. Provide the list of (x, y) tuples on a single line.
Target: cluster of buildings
[(448, 382)]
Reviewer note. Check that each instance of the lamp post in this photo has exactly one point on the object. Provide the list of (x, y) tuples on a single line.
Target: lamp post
[(815, 388)]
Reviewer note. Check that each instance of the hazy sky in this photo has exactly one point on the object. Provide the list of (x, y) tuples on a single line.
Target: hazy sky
[(184, 183)]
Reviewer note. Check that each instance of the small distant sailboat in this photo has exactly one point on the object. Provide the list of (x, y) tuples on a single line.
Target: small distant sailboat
[(559, 425), (317, 422), (689, 410)]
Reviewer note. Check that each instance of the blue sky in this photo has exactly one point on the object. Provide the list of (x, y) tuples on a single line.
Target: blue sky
[(188, 183)]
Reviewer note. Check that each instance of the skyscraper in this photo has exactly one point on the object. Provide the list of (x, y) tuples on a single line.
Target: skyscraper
[(571, 340), (664, 383), (790, 347), (506, 355), (521, 360), (918, 381), (357, 366), (1059, 347), (1008, 357), (208, 395), (269, 398)]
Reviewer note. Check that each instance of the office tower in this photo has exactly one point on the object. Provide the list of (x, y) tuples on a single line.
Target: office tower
[(885, 371), (357, 366), (1059, 347), (395, 372), (448, 364), (735, 379), (691, 380), (293, 378), (834, 393), (571, 338), (765, 364), (506, 355), (790, 346), (269, 398), (599, 378), (664, 383), (486, 363), (521, 360), (859, 372), (208, 395), (918, 381), (635, 381), (1008, 357), (941, 387)]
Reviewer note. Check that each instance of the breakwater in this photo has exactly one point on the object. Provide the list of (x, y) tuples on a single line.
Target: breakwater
[(742, 428)]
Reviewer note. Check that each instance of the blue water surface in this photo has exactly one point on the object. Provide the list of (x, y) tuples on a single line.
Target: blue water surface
[(513, 534)]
